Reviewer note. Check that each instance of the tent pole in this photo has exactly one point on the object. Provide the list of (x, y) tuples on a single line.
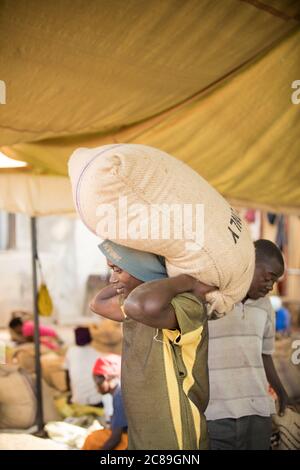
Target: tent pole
[(39, 398)]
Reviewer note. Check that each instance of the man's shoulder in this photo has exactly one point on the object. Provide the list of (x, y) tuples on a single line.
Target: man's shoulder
[(187, 300), (189, 305), (263, 304)]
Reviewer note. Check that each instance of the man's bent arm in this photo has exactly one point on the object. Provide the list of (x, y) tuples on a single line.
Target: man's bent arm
[(107, 304), (150, 303)]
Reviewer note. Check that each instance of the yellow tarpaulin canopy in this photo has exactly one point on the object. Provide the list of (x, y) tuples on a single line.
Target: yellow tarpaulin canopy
[(207, 81), (35, 195)]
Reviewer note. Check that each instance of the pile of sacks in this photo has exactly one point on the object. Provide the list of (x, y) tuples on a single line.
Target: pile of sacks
[(18, 403), (107, 336), (286, 360), (287, 430), (51, 362)]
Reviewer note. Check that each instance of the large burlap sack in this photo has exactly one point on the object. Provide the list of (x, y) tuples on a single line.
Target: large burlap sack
[(53, 371), (50, 412), (287, 369), (17, 399), (147, 176), (24, 356), (107, 337), (288, 427)]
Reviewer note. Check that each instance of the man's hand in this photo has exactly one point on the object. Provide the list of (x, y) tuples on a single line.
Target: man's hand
[(107, 304), (200, 289), (275, 382), (106, 293), (284, 401)]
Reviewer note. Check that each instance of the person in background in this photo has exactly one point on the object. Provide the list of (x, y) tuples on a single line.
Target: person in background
[(79, 362), (283, 316), (106, 374), (164, 357), (22, 331), (241, 366)]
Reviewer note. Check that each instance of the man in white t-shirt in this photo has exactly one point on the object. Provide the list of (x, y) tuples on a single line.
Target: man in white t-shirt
[(241, 366), (79, 363)]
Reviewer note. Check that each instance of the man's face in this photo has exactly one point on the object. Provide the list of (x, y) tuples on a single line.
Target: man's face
[(123, 281), (265, 276)]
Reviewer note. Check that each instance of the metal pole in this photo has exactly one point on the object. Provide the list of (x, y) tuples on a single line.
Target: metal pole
[(39, 398)]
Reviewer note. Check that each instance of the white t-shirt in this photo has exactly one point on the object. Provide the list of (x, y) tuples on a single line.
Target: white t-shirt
[(79, 362), (238, 383)]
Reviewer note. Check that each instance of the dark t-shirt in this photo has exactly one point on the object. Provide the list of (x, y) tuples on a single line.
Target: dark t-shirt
[(165, 380)]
